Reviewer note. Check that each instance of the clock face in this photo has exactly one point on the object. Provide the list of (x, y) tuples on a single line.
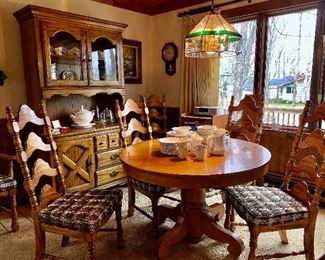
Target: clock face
[(169, 52)]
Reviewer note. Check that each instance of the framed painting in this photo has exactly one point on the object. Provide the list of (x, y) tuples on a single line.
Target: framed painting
[(132, 52)]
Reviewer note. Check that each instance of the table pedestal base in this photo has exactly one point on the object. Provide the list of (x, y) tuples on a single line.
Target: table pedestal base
[(193, 220)]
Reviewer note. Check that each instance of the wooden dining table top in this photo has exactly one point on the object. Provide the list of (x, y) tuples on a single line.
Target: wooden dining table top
[(243, 162)]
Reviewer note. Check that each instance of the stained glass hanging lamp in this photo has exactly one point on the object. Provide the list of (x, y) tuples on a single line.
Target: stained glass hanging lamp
[(211, 37)]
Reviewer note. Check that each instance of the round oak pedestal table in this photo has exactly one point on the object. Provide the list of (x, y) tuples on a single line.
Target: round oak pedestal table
[(242, 163)]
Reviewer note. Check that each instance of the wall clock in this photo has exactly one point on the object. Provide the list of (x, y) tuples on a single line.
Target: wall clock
[(169, 55)]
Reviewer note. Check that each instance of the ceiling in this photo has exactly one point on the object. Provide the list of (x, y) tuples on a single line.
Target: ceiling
[(152, 7)]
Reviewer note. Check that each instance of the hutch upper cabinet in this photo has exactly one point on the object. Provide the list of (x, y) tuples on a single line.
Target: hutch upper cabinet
[(68, 54)]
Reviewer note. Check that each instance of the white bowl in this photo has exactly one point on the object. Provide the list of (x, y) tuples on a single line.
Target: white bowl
[(205, 130), (175, 134), (168, 144), (183, 130)]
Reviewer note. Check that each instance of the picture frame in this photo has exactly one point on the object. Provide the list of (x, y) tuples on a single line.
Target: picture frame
[(132, 61)]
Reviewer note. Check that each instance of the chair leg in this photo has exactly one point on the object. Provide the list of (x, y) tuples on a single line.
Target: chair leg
[(91, 250), (154, 203), (253, 243), (283, 236), (131, 200), (14, 215), (119, 229), (40, 244), (309, 243), (228, 218), (223, 196)]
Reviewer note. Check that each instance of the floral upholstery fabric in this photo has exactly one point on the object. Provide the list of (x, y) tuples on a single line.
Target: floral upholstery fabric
[(7, 183), (265, 205), (149, 187), (82, 211)]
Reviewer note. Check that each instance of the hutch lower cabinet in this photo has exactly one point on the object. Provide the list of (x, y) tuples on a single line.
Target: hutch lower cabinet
[(90, 157)]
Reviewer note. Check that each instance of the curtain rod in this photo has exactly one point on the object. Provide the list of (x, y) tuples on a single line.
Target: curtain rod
[(208, 8)]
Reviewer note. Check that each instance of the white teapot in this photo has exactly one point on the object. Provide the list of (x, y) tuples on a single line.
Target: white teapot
[(218, 141), (82, 117)]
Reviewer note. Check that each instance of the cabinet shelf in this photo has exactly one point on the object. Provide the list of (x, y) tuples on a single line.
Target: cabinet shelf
[(65, 59), (48, 93)]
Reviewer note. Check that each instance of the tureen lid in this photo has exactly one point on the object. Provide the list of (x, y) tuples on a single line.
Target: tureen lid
[(82, 111)]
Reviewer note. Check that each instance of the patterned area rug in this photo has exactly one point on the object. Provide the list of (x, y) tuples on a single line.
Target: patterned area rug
[(140, 240)]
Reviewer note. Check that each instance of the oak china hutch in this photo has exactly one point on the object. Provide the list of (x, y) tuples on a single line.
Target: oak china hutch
[(72, 60)]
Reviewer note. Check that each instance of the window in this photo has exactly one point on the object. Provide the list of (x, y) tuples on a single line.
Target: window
[(289, 60), (289, 90), (287, 63), (237, 72)]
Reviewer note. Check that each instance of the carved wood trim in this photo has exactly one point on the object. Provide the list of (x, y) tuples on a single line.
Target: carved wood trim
[(39, 12)]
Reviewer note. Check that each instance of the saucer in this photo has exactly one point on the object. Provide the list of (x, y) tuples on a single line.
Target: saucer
[(83, 126)]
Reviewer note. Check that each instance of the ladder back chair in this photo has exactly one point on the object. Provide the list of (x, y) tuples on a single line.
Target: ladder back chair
[(127, 128), (157, 115), (249, 126), (294, 204), (8, 189), (77, 214)]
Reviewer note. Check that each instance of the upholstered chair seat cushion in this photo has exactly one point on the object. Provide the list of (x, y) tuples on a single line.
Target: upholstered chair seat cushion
[(82, 211), (265, 205), (7, 183), (149, 187)]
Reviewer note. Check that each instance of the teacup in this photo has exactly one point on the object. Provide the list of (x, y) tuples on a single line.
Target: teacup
[(194, 141), (205, 131), (200, 152), (182, 150), (181, 130)]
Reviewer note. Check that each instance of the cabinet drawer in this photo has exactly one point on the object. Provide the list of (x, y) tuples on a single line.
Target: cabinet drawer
[(114, 140), (101, 142), (110, 174), (108, 158), (104, 142)]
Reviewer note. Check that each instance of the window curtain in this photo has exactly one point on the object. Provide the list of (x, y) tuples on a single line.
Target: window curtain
[(200, 77)]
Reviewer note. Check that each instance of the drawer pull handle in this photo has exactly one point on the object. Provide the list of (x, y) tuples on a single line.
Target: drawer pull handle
[(114, 157), (114, 173), (101, 143)]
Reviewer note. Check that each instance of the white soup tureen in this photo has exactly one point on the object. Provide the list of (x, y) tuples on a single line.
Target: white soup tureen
[(82, 117)]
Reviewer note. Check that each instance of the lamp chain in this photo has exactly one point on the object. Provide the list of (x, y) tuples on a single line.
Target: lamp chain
[(212, 5)]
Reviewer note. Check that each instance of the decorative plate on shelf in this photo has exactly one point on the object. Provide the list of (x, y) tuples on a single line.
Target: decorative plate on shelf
[(68, 75)]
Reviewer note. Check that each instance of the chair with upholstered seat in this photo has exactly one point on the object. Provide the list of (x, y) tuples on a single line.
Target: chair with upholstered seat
[(78, 214), (129, 126), (247, 126), (8, 189), (295, 204)]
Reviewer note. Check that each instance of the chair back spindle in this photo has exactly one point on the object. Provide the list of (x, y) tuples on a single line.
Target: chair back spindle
[(157, 115)]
